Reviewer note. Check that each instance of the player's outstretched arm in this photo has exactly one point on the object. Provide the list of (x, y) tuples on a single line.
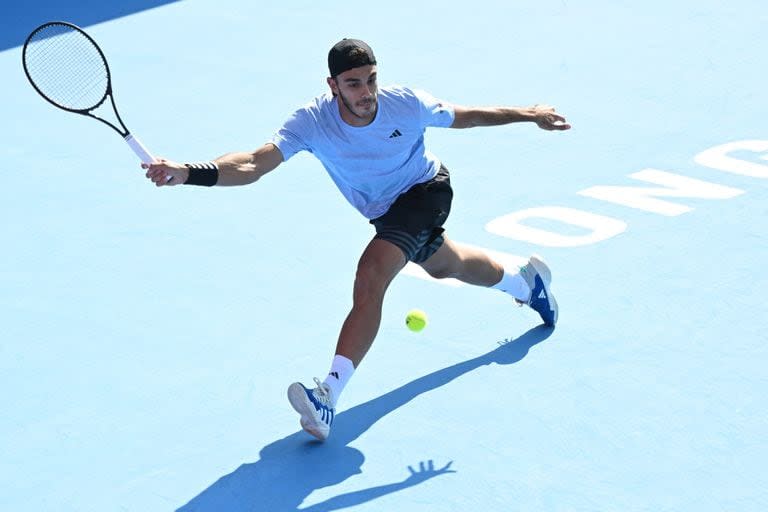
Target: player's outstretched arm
[(240, 168), (543, 115)]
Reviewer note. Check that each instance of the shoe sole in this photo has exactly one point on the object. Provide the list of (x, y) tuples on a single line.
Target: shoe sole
[(542, 268), (297, 396)]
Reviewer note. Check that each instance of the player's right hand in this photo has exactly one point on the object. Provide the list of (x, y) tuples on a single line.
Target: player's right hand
[(166, 172)]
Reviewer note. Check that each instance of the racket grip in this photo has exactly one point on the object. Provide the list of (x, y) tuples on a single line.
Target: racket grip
[(139, 149)]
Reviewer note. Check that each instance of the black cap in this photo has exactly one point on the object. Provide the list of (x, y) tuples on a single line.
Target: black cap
[(348, 54)]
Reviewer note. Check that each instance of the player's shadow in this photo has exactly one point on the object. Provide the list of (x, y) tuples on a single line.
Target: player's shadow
[(292, 468)]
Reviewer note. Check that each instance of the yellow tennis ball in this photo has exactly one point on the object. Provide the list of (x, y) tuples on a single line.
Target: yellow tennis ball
[(416, 320)]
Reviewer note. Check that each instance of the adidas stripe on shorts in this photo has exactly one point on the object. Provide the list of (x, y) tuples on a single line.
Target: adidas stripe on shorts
[(414, 221)]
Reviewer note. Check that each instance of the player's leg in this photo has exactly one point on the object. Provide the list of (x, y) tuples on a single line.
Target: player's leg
[(528, 285), (464, 263), (378, 265)]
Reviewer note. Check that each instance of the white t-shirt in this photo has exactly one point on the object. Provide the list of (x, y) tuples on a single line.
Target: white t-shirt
[(371, 165)]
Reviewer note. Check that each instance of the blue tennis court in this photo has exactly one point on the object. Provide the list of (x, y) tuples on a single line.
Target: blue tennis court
[(148, 336)]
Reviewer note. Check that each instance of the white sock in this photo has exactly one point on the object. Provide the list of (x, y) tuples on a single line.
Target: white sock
[(340, 373), (514, 285)]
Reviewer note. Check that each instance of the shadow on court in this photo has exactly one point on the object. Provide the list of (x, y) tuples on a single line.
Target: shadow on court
[(18, 19), (292, 468)]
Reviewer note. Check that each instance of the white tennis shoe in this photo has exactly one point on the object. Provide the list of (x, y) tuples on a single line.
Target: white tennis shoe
[(538, 277), (314, 406)]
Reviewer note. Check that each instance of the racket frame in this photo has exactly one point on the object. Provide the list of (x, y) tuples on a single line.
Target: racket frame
[(130, 139)]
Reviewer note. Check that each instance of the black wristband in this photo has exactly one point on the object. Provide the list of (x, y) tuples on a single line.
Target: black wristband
[(205, 174)]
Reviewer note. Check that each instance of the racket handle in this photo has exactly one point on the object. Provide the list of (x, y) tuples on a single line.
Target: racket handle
[(139, 149)]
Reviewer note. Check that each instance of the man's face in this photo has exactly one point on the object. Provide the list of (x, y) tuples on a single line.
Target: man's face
[(358, 92)]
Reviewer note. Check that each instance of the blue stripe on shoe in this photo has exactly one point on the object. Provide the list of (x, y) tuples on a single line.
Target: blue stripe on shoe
[(325, 412), (540, 302)]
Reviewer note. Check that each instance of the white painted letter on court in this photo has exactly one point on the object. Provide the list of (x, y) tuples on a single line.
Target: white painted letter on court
[(511, 226), (676, 186), (717, 158)]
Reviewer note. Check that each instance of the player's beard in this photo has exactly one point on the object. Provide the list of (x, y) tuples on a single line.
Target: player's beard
[(356, 109)]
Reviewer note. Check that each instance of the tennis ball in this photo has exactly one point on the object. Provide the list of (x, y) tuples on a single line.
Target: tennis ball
[(416, 320)]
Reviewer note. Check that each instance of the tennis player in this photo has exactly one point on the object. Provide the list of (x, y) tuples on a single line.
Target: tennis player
[(371, 142)]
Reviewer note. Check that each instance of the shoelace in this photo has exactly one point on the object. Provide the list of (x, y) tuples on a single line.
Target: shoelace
[(321, 393)]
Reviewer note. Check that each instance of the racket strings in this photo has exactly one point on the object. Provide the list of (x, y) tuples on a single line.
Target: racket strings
[(74, 74), (67, 67)]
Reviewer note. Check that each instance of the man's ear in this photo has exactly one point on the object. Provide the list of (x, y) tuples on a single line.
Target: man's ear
[(333, 85)]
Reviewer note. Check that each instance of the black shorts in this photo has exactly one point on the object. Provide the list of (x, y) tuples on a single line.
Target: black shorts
[(414, 221)]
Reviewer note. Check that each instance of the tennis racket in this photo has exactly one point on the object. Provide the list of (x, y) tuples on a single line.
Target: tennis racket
[(69, 70)]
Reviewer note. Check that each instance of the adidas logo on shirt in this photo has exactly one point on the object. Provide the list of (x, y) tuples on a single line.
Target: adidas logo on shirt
[(395, 133)]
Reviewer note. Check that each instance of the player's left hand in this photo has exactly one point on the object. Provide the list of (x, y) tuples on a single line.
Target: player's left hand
[(547, 119)]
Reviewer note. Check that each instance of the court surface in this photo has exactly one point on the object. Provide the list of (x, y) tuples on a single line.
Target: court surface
[(148, 335)]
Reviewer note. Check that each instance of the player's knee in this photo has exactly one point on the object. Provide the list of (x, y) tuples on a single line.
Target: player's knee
[(441, 272), (370, 283)]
